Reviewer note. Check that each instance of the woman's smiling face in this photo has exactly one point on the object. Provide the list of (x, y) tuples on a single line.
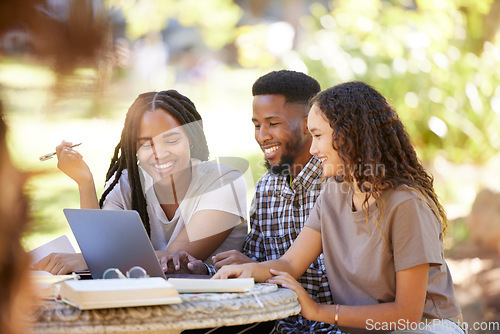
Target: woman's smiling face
[(162, 145), (322, 143)]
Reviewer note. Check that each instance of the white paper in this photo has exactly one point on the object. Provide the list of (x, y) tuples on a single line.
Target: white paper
[(58, 245)]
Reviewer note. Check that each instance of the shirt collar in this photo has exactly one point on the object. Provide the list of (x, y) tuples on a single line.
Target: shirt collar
[(304, 180), (311, 171)]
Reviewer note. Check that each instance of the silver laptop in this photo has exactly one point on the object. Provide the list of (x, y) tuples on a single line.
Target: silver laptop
[(113, 239)]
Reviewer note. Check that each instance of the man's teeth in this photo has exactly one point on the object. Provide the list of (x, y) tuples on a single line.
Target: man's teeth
[(323, 159), (162, 166), (271, 149)]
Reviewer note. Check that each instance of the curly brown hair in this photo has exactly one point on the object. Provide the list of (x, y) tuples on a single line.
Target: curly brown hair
[(373, 144)]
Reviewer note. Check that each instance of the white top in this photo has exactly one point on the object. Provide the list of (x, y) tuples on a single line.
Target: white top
[(213, 187)]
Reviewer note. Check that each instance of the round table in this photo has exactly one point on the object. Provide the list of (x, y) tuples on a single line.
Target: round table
[(263, 303)]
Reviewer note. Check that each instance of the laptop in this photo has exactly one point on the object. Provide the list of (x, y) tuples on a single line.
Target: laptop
[(113, 239)]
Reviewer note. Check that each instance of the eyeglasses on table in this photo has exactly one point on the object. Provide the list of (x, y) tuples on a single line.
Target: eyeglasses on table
[(134, 272)]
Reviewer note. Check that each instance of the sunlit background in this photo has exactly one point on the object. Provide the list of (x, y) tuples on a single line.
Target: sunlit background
[(438, 61)]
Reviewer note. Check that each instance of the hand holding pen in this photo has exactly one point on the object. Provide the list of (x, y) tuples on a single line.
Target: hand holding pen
[(71, 162), (50, 155)]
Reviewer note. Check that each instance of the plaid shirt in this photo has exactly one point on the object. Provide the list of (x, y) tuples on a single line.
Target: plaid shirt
[(277, 215)]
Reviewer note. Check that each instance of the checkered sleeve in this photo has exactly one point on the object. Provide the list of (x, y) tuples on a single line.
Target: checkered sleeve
[(210, 268)]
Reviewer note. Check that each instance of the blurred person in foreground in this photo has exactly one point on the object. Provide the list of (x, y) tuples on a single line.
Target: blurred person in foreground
[(79, 40), (16, 292)]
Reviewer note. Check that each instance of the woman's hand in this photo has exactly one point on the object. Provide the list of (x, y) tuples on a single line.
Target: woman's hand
[(181, 262), (309, 308), (235, 271), (61, 263), (71, 163)]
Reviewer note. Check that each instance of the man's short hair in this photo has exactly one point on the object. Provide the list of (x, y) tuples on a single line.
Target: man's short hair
[(296, 87)]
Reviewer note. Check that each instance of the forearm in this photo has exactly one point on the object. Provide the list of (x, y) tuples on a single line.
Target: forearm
[(367, 315), (261, 271), (88, 195), (407, 307), (294, 262)]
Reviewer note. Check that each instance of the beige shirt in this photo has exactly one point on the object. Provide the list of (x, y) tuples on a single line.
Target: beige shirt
[(362, 267)]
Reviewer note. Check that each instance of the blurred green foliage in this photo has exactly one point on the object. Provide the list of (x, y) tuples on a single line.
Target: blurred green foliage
[(438, 61), (432, 59), (215, 19)]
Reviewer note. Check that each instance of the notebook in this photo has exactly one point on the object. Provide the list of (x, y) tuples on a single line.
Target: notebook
[(113, 239)]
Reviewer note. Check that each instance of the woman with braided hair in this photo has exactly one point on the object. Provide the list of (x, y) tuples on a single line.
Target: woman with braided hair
[(378, 223), (190, 207)]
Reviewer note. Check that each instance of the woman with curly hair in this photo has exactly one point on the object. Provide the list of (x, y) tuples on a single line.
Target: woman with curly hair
[(378, 222)]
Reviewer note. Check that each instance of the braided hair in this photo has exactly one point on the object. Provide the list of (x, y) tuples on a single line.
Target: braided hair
[(373, 144), (125, 153)]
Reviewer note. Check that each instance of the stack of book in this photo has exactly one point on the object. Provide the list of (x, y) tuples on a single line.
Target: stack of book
[(102, 293), (111, 293)]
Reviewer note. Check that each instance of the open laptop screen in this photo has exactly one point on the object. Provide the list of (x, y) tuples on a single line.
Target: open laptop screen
[(113, 239)]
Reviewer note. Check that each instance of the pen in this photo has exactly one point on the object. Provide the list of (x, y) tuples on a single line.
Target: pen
[(50, 155), (73, 276)]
